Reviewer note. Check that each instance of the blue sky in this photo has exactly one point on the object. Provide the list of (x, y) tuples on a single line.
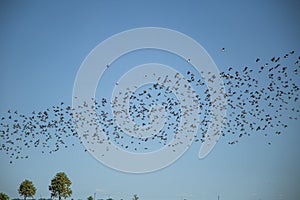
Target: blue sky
[(43, 44)]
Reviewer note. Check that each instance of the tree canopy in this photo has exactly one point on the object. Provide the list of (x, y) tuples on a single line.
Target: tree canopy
[(60, 186), (27, 189), (4, 196)]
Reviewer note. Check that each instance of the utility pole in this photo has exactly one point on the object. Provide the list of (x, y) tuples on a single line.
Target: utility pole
[(218, 197), (94, 195)]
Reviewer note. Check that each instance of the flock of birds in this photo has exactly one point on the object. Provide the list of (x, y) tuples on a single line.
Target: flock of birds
[(260, 99)]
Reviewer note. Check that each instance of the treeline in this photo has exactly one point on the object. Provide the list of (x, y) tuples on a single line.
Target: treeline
[(59, 188)]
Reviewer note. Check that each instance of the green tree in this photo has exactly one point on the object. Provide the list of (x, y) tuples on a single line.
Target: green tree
[(27, 189), (60, 186), (90, 198), (3, 196), (135, 197)]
